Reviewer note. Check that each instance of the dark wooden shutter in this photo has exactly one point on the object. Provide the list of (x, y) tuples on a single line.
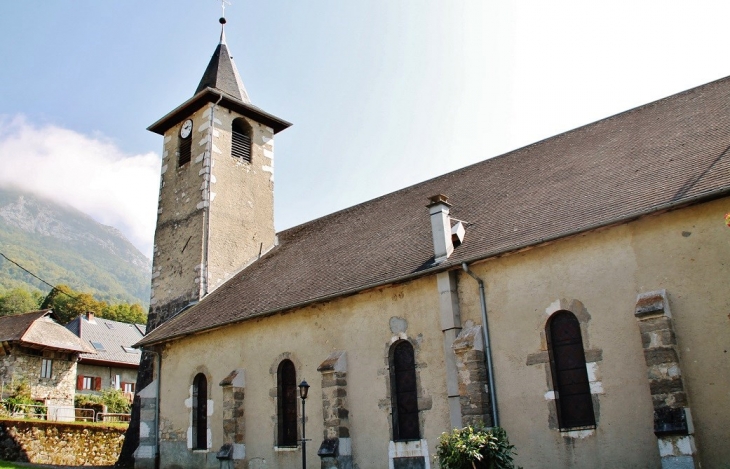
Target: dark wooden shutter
[(80, 382), (287, 403), (200, 411), (97, 384), (570, 377), (241, 145), (405, 411)]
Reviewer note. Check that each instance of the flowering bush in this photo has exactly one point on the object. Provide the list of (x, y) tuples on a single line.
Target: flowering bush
[(476, 447)]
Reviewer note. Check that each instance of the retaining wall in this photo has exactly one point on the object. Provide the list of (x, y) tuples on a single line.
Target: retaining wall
[(60, 443)]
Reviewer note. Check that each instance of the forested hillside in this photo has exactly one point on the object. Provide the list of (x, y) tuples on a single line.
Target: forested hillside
[(66, 247)]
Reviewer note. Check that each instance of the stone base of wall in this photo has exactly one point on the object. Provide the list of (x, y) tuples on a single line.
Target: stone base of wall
[(176, 455), (60, 444)]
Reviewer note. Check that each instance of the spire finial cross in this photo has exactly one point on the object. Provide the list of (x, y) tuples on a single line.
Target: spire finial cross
[(223, 6)]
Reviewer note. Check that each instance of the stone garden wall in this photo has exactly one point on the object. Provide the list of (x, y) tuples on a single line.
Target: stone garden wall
[(60, 444)]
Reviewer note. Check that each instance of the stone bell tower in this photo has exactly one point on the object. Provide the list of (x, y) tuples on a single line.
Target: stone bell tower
[(216, 206), (215, 211)]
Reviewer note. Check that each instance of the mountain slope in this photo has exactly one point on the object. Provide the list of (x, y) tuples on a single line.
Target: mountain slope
[(64, 246)]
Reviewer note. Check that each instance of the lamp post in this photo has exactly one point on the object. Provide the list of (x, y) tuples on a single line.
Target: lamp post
[(303, 390)]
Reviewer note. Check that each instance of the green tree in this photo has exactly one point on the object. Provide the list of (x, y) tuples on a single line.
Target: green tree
[(19, 300), (125, 312), (68, 304)]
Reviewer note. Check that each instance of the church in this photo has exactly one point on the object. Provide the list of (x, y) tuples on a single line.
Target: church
[(574, 292)]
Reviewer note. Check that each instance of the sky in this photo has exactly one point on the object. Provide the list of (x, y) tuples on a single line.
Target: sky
[(382, 94)]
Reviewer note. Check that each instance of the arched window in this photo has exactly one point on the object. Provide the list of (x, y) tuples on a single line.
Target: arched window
[(286, 398), (200, 412), (404, 393), (570, 377), (241, 140)]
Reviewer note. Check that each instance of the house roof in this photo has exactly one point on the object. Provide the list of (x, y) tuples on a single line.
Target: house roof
[(111, 340), (662, 155), (39, 330)]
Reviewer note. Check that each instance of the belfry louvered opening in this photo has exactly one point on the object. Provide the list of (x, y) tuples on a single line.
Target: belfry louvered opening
[(185, 150), (241, 140)]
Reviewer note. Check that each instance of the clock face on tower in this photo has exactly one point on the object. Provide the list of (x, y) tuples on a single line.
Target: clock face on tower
[(186, 128)]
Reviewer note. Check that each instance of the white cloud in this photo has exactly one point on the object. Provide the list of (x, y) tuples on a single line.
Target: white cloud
[(89, 173)]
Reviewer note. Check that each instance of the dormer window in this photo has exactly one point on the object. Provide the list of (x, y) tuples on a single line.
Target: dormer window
[(241, 140)]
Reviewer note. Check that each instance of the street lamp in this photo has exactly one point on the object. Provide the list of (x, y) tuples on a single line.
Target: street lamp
[(303, 391)]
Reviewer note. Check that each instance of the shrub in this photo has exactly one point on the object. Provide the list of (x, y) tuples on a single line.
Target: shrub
[(20, 400), (476, 447), (115, 401)]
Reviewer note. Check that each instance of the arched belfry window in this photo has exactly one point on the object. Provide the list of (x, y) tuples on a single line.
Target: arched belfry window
[(241, 140), (200, 412), (404, 393), (570, 377), (286, 398)]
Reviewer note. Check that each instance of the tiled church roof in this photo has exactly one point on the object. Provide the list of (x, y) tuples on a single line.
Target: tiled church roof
[(661, 155)]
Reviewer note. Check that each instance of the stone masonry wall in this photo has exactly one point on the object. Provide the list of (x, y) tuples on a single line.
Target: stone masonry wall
[(672, 418), (335, 451), (56, 390), (60, 444), (472, 372), (234, 423)]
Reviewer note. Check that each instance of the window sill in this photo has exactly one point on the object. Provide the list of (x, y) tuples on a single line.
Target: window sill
[(579, 434), (578, 429), (285, 449)]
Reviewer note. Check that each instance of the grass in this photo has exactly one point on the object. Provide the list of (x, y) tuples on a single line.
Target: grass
[(9, 465), (72, 422)]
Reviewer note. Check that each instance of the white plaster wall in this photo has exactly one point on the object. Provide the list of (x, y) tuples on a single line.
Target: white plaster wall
[(686, 252), (359, 325)]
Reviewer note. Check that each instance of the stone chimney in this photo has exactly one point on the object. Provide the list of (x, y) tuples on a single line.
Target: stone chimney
[(90, 316), (443, 246)]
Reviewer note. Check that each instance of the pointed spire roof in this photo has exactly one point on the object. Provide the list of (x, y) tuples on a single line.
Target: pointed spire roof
[(221, 73), (221, 85)]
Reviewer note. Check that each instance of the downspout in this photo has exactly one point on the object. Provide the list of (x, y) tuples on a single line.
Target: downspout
[(206, 199), (487, 347)]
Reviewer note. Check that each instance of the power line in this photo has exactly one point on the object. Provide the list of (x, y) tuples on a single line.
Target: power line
[(34, 275)]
